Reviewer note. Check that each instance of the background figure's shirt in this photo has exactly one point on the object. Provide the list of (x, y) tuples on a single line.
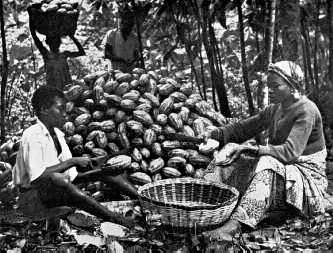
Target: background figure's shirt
[(37, 152), (296, 131), (57, 70), (121, 48)]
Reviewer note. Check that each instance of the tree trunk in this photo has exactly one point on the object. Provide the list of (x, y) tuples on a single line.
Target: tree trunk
[(315, 55), (271, 33), (4, 74), (330, 28), (307, 56), (244, 65), (289, 22)]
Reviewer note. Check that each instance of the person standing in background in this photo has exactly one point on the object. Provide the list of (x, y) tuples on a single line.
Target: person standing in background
[(122, 45)]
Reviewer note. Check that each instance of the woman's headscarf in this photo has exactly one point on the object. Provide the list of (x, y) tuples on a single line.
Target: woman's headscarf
[(290, 72)]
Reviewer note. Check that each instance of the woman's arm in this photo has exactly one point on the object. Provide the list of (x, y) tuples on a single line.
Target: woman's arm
[(81, 51), (296, 141), (38, 43), (244, 130)]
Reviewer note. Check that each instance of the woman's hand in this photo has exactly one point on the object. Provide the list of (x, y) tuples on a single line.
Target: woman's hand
[(210, 134), (236, 151)]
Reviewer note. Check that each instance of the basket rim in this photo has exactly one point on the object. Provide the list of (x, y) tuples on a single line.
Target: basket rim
[(190, 180)]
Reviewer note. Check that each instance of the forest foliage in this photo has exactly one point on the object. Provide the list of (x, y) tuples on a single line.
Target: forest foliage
[(203, 39)]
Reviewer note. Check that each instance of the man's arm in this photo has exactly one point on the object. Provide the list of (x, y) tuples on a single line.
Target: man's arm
[(38, 43), (108, 54), (81, 51)]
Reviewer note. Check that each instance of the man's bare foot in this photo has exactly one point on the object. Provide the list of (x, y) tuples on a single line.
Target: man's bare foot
[(224, 233)]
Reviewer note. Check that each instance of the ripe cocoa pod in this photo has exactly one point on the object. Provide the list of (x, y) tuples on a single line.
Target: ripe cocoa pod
[(89, 103), (184, 114), (175, 121), (166, 105), (140, 178), (76, 139), (156, 177), (169, 145), (92, 135), (99, 152), (124, 141), (166, 89), (120, 116), (127, 104), (134, 84), (157, 149), (143, 80), (97, 115), (111, 112), (113, 99), (133, 95), (123, 77), (122, 88), (144, 166), (187, 130), (137, 142), (177, 162), (98, 93), (89, 145), (178, 96), (171, 172), (119, 162), (69, 128), (144, 107), (138, 71), (135, 167), (112, 147), (155, 165), (187, 89), (74, 92), (179, 152), (100, 81), (189, 170), (145, 152), (107, 125), (142, 117), (70, 106), (153, 99), (169, 130), (82, 119), (110, 86), (198, 126), (112, 136), (157, 128), (199, 160), (101, 139), (94, 125), (136, 155), (162, 119), (135, 126), (149, 137)]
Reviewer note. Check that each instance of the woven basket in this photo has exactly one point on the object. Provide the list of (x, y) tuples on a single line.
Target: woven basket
[(53, 23), (188, 202)]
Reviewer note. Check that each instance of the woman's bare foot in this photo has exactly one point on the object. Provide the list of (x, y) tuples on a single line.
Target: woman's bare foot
[(224, 233)]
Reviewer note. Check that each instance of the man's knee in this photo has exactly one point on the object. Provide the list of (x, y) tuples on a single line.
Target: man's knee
[(268, 162)]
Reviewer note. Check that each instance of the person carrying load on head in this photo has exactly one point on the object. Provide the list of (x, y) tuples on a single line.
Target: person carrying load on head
[(55, 62)]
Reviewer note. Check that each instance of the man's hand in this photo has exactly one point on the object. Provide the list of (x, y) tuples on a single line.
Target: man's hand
[(82, 162)]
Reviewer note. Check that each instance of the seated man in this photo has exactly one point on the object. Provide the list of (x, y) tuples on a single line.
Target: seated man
[(45, 164)]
